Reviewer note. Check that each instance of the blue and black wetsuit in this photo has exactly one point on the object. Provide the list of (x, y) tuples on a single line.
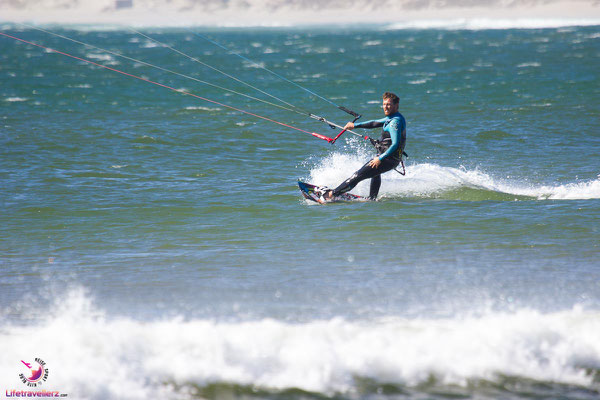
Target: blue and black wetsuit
[(389, 148)]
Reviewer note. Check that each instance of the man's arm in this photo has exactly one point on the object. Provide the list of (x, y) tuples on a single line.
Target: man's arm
[(376, 123)]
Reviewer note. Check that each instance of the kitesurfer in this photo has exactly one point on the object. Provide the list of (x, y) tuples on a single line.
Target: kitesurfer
[(389, 147)]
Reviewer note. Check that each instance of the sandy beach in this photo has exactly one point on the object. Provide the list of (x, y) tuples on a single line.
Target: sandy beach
[(404, 14)]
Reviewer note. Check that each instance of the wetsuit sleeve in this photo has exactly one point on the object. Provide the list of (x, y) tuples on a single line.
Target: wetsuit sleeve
[(375, 123), (394, 131)]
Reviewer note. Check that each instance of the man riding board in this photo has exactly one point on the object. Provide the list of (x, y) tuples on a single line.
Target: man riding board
[(389, 147)]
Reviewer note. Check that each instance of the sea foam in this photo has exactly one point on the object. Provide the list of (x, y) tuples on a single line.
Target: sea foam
[(429, 180), (94, 356)]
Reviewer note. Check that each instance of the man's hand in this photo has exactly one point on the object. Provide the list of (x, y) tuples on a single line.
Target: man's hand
[(375, 163), (349, 126)]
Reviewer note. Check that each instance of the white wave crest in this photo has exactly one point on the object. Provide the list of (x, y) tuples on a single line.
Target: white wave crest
[(425, 180), (91, 356), (15, 99)]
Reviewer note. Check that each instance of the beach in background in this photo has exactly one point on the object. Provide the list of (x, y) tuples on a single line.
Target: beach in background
[(404, 13)]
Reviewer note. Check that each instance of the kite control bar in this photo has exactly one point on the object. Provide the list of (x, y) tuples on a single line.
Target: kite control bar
[(356, 117)]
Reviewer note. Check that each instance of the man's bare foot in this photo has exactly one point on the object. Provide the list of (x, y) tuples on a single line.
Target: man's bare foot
[(325, 194)]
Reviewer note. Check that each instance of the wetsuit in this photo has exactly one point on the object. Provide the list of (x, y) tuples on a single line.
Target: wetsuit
[(389, 148)]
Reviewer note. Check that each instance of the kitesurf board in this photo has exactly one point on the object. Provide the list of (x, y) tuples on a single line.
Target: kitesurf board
[(309, 192)]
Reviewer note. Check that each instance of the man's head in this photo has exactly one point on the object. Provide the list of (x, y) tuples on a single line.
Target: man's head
[(390, 103)]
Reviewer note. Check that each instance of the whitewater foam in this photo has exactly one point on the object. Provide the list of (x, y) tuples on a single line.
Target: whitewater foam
[(94, 356), (15, 99), (431, 180)]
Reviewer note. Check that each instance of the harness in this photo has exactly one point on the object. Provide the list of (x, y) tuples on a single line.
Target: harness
[(402, 163), (381, 148)]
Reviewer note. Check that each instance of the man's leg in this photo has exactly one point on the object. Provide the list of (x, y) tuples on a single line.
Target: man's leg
[(375, 185), (365, 172)]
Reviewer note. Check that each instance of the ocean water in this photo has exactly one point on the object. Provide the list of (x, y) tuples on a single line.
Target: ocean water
[(155, 245)]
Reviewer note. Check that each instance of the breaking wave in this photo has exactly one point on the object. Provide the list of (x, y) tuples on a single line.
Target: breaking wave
[(427, 180), (94, 356)]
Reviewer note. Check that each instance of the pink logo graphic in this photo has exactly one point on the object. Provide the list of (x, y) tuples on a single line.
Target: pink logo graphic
[(37, 373)]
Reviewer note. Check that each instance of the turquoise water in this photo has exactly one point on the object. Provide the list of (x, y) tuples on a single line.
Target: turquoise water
[(161, 241)]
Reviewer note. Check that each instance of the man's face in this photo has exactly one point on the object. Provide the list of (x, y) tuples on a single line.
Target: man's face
[(389, 107)]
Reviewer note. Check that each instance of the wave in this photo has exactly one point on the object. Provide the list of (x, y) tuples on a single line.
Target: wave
[(15, 99), (94, 356), (434, 181), (411, 14)]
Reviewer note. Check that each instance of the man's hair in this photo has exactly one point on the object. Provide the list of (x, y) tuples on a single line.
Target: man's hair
[(389, 95)]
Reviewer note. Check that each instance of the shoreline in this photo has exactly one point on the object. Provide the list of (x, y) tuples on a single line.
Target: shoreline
[(560, 14)]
